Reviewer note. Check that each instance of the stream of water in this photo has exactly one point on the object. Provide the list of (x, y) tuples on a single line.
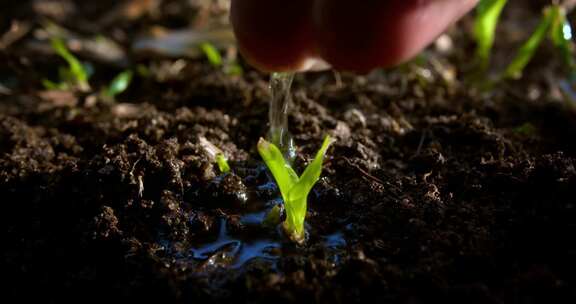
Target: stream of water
[(280, 85)]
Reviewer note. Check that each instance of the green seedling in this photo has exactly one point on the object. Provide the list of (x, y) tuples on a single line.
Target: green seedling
[(274, 217), (214, 154), (554, 25), (294, 189), (118, 85), (213, 55), (487, 16), (528, 49), (76, 75), (561, 35), (233, 69), (222, 163)]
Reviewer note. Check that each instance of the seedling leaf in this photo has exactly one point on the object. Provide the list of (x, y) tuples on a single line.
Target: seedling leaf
[(76, 70), (234, 69), (212, 54), (311, 173), (526, 52), (561, 34), (214, 154), (487, 16), (119, 84), (274, 217), (222, 163), (284, 175), (51, 85)]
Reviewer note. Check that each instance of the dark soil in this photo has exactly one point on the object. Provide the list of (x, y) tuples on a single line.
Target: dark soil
[(433, 192)]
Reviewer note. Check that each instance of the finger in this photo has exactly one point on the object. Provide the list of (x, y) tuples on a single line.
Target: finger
[(274, 35), (367, 34)]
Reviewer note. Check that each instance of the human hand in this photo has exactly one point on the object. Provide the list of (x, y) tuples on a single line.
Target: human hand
[(360, 35)]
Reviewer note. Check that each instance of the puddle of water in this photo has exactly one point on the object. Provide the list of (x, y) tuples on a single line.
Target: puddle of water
[(228, 251), (222, 242), (233, 252), (253, 218), (232, 249), (264, 250)]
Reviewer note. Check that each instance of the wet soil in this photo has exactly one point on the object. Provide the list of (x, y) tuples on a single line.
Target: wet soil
[(433, 192)]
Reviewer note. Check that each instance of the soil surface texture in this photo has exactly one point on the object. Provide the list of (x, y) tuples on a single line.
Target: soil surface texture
[(434, 192)]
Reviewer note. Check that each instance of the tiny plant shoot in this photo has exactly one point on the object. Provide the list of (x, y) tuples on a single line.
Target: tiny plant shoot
[(212, 54), (222, 163), (527, 50), (561, 35), (215, 154), (230, 67), (294, 189), (487, 16), (553, 25), (76, 75), (118, 85)]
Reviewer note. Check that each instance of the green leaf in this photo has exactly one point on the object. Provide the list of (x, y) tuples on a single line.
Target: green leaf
[(51, 85), (528, 49), (311, 173), (298, 195), (76, 69), (212, 54), (119, 84), (284, 175), (234, 69), (273, 218), (487, 16), (561, 34), (222, 163)]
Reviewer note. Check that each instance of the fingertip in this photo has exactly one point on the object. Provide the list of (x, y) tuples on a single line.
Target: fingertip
[(273, 35), (371, 34)]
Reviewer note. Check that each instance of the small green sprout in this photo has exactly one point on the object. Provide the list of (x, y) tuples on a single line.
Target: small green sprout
[(230, 67), (274, 217), (233, 69), (553, 25), (561, 35), (119, 84), (222, 163), (528, 49), (76, 75), (487, 15), (214, 154), (294, 189), (212, 54)]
